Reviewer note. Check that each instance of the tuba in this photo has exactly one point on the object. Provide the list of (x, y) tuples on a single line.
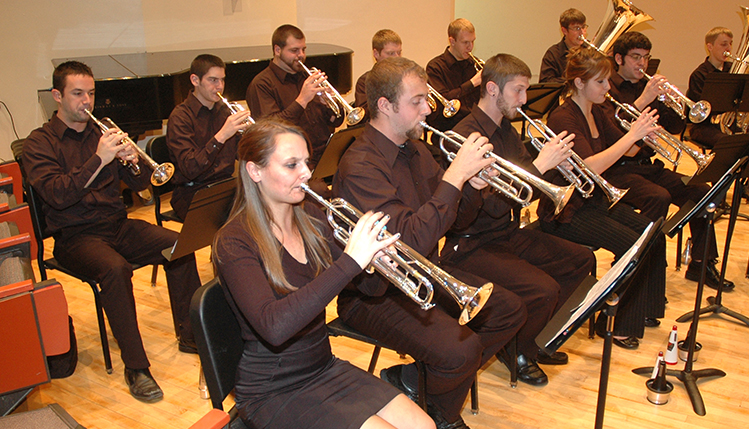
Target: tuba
[(581, 176), (451, 106), (620, 17), (412, 272), (161, 172), (335, 102), (740, 65), (517, 182), (678, 147)]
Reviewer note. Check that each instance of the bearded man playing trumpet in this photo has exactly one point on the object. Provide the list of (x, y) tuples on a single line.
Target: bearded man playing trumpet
[(652, 187), (387, 169), (541, 269)]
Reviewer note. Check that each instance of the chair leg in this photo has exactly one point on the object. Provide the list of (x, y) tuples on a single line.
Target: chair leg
[(592, 326), (422, 384), (678, 249), (513, 352), (154, 274), (373, 361), (102, 328), (475, 396)]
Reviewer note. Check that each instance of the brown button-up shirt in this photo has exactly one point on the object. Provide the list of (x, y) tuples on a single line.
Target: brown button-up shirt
[(360, 95), (452, 79), (193, 148), (273, 93), (59, 161), (405, 183), (554, 63)]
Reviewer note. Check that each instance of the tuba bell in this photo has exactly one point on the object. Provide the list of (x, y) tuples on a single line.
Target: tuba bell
[(620, 17)]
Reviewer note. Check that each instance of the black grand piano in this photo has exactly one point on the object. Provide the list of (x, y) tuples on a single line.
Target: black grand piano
[(138, 91)]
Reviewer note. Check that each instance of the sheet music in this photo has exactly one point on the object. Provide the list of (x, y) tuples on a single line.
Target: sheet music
[(603, 285)]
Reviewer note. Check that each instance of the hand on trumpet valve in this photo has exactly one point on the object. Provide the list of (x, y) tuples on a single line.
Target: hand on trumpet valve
[(110, 145), (364, 241), (644, 125), (555, 152), (470, 159), (655, 88), (236, 122), (312, 87)]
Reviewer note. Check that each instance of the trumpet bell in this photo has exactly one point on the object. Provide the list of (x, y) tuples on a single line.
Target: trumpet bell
[(614, 194), (562, 197), (452, 107), (355, 116), (473, 300), (162, 174), (699, 111)]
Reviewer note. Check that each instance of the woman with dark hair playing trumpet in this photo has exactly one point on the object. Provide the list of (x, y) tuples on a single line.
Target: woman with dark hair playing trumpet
[(590, 221), (277, 262)]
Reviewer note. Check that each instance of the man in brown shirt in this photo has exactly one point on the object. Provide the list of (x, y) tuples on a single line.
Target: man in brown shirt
[(554, 62), (202, 133), (453, 74), (283, 90), (74, 168), (385, 44), (387, 169), (541, 269)]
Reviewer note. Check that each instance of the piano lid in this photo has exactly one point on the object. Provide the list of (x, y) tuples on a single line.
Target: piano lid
[(170, 63)]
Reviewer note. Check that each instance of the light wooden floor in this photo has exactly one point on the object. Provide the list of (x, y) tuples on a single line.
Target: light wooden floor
[(98, 400)]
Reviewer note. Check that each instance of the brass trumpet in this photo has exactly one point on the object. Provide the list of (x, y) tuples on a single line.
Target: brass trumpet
[(451, 106), (517, 183), (235, 107), (161, 172), (335, 102), (673, 156), (673, 98), (412, 272), (478, 63), (581, 176)]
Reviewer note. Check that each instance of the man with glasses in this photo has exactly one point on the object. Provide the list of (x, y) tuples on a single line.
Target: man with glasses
[(554, 63), (652, 187)]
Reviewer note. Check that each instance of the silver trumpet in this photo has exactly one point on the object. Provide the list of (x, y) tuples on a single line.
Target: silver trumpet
[(335, 102), (411, 272), (678, 147), (451, 106), (478, 63), (517, 183), (235, 107), (676, 100), (161, 172), (581, 176)]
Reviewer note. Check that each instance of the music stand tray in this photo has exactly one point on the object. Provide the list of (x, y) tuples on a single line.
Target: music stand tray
[(589, 298), (726, 92), (207, 214), (727, 150), (336, 146), (541, 98)]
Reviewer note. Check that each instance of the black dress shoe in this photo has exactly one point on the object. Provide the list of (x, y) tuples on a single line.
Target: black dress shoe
[(652, 322), (712, 276), (458, 424), (394, 376), (556, 358), (188, 346), (528, 370), (629, 343), (142, 385)]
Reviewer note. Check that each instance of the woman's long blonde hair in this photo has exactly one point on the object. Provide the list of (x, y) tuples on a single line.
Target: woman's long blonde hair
[(257, 146)]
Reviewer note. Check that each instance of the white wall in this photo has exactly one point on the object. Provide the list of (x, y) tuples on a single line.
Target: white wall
[(36, 31)]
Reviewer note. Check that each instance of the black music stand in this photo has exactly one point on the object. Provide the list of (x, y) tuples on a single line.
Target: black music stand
[(334, 150), (716, 305), (726, 92), (704, 208), (542, 99), (208, 211), (589, 298)]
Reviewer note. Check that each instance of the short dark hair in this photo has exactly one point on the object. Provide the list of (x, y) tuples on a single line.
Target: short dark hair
[(383, 37), (631, 40), (385, 80), (571, 16), (282, 33), (501, 69), (66, 69), (203, 63)]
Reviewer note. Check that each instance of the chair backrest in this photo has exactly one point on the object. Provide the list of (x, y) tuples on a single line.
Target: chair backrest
[(219, 340), (158, 151)]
